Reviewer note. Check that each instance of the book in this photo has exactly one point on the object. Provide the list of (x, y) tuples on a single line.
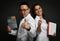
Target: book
[(12, 22), (51, 28)]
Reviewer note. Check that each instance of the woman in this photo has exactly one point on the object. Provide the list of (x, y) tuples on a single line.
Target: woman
[(41, 23)]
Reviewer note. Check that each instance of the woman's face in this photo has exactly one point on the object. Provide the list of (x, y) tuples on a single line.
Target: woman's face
[(38, 10)]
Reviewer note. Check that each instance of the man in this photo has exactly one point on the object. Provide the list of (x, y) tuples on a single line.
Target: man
[(27, 24)]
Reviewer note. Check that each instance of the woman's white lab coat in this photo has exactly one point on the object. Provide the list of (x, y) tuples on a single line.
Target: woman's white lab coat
[(42, 36), (23, 33)]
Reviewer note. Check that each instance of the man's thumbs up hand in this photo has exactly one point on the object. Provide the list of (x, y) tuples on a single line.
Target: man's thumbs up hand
[(25, 25)]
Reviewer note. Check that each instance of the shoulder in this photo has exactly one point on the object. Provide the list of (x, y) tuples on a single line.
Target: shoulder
[(44, 20), (30, 17)]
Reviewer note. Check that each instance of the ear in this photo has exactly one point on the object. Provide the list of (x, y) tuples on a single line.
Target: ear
[(29, 10)]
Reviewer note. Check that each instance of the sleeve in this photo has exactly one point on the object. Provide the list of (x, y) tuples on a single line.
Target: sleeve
[(18, 33), (22, 33), (13, 32), (32, 31)]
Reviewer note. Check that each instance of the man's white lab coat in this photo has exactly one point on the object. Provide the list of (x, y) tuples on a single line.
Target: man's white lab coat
[(23, 33)]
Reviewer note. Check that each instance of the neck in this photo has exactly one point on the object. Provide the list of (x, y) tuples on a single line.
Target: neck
[(40, 16), (26, 15)]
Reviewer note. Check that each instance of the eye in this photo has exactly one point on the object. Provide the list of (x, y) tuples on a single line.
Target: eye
[(40, 8), (36, 9)]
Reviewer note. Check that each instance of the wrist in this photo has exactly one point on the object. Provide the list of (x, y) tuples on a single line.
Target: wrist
[(28, 29)]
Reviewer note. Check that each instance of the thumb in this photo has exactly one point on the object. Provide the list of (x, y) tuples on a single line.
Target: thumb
[(25, 20)]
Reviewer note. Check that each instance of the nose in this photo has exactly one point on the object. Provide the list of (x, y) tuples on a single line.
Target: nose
[(38, 11), (23, 11)]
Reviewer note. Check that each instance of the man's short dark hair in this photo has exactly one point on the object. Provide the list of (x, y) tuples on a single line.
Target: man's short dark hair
[(24, 3)]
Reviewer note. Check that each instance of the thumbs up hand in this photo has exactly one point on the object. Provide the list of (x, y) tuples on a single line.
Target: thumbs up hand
[(39, 23), (25, 25), (39, 26)]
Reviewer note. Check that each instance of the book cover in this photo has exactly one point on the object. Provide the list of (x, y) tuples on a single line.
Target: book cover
[(51, 28), (12, 22)]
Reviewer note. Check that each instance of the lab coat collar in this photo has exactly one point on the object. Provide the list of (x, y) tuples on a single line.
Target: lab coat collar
[(28, 15), (37, 17)]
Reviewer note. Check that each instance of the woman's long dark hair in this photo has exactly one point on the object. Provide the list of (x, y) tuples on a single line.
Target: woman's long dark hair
[(33, 11)]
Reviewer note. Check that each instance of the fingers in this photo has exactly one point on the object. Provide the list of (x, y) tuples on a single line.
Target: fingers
[(54, 34), (9, 29), (39, 22), (39, 26), (25, 25), (25, 22)]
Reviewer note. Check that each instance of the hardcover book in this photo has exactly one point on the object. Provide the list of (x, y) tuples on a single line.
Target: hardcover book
[(51, 28), (12, 22)]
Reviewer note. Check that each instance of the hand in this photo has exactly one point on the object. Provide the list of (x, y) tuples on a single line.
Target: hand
[(25, 25), (39, 23), (39, 26), (54, 34), (9, 28)]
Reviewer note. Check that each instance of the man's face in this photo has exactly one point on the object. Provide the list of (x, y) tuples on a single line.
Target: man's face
[(24, 10), (38, 10)]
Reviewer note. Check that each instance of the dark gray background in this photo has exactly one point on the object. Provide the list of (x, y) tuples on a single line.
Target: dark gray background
[(9, 8)]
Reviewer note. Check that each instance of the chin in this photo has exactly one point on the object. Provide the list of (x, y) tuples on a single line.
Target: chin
[(39, 15)]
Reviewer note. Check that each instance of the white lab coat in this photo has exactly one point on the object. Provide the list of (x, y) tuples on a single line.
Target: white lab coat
[(23, 33), (42, 36)]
